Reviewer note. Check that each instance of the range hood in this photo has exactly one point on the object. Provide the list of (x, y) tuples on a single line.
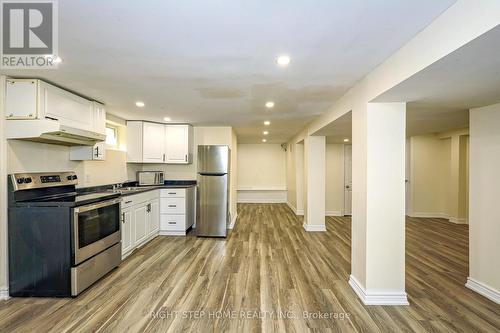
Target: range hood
[(51, 131)]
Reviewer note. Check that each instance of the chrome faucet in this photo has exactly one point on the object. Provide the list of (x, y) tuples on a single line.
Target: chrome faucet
[(117, 186)]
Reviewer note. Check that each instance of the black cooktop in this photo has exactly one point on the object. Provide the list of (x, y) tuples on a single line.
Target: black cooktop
[(69, 199)]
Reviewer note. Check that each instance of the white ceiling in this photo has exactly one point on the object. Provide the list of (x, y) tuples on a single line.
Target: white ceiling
[(440, 96), (213, 63)]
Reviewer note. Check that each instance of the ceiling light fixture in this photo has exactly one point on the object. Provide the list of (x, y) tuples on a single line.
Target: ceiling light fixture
[(270, 104), (283, 60), (140, 104), (346, 140), (167, 119), (265, 132), (264, 140), (267, 123)]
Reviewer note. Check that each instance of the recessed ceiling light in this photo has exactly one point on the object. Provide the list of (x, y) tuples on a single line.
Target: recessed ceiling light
[(264, 140), (167, 119), (283, 60), (267, 123), (140, 104), (269, 104), (346, 140), (265, 132)]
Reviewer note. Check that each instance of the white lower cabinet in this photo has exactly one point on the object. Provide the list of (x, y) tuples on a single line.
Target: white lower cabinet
[(154, 217), (146, 215), (177, 210), (140, 217), (140, 221), (127, 230)]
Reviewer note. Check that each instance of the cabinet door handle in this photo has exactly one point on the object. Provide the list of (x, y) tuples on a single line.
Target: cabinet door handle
[(97, 151), (127, 202), (173, 206), (123, 218), (186, 158), (172, 223), (172, 193), (163, 157)]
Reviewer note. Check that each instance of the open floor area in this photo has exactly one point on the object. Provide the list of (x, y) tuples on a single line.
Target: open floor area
[(270, 275)]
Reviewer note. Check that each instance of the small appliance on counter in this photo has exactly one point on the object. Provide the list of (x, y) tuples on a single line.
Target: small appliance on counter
[(212, 208), (60, 241), (148, 178)]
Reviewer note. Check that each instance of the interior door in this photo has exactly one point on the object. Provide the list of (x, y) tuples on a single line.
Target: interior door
[(347, 179), (177, 144), (153, 144), (212, 206)]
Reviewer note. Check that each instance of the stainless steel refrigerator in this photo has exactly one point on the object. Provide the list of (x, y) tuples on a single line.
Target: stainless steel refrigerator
[(212, 211)]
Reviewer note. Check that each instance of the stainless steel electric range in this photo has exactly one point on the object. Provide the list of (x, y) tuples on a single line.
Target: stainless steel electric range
[(60, 242)]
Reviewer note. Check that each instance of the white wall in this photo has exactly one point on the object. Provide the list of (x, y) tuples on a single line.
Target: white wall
[(484, 207), (334, 179), (261, 173), (438, 175), (430, 159)]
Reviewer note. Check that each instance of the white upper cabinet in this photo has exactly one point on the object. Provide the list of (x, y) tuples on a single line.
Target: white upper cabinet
[(178, 144), (158, 143), (36, 99), (21, 99), (69, 109), (153, 144), (99, 114), (145, 142)]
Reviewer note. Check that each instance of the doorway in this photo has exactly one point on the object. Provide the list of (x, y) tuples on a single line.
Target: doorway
[(347, 180)]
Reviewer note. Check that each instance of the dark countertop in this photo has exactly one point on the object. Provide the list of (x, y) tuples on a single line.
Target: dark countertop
[(109, 188), (150, 188)]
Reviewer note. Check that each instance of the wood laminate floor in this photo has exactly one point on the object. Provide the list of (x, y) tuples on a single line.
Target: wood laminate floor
[(269, 263)]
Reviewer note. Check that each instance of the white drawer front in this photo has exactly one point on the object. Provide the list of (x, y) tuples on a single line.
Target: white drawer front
[(173, 206), (135, 199), (173, 193), (173, 222)]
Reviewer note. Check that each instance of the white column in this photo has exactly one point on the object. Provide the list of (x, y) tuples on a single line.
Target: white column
[(484, 207), (315, 186), (378, 217)]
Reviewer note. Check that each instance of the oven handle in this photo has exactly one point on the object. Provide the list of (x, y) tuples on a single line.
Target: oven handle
[(86, 208)]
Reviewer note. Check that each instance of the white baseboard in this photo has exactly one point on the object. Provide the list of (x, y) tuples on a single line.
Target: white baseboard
[(429, 215), (296, 211), (233, 221), (4, 294), (458, 220), (333, 213), (270, 195), (377, 298), (172, 233), (314, 228), (483, 289), (452, 219)]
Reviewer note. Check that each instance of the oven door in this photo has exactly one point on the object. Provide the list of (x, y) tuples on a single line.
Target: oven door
[(96, 227)]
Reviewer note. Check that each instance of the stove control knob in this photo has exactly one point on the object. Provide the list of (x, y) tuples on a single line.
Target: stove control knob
[(28, 180), (75, 177), (69, 177), (20, 180)]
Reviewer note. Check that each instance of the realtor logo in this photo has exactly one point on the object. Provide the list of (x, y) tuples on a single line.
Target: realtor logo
[(29, 34)]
